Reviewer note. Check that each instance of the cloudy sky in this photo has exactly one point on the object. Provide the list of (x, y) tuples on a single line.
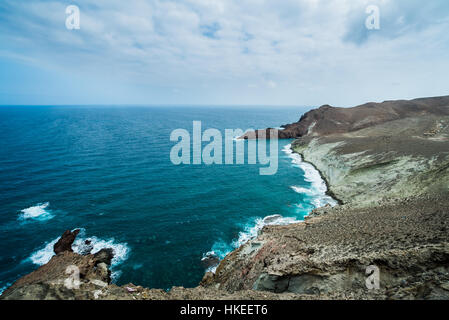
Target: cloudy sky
[(222, 52)]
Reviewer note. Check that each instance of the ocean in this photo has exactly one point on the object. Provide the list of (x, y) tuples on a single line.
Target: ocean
[(107, 171)]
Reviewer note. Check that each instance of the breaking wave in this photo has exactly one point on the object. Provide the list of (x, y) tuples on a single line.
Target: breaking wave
[(38, 212), (318, 189)]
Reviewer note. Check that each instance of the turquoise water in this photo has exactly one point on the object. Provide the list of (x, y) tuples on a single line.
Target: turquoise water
[(107, 170)]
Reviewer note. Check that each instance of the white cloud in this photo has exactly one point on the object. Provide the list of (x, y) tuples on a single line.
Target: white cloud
[(308, 50)]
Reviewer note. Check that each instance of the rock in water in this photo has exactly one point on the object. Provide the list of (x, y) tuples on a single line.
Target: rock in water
[(66, 241), (104, 256), (210, 259)]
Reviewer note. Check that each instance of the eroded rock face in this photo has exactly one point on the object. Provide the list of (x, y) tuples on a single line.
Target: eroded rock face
[(65, 242)]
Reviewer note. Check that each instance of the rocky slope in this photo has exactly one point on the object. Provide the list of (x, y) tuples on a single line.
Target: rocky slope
[(327, 255), (387, 163)]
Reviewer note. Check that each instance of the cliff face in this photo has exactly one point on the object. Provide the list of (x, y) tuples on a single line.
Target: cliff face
[(388, 163)]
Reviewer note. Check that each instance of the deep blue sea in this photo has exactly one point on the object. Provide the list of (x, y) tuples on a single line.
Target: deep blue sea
[(107, 170)]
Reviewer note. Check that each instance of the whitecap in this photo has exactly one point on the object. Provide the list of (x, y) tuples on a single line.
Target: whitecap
[(42, 256), (302, 190), (38, 212), (219, 249)]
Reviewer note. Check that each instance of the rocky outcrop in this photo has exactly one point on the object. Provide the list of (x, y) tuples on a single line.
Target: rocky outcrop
[(67, 275), (65, 242)]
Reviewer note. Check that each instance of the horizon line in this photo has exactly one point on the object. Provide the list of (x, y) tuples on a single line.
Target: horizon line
[(156, 105)]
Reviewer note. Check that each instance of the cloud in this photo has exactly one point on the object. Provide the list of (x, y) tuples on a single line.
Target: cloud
[(311, 51)]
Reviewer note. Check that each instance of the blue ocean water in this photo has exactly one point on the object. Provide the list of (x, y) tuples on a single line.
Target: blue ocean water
[(107, 170)]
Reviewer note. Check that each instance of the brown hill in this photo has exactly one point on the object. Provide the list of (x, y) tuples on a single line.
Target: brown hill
[(328, 120)]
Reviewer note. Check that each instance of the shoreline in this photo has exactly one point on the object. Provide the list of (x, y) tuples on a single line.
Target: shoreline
[(328, 190)]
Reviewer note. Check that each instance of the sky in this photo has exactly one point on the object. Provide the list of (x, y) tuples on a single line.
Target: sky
[(222, 52)]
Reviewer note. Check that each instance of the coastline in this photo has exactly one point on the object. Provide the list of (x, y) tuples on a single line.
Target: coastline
[(326, 182), (271, 220), (393, 182)]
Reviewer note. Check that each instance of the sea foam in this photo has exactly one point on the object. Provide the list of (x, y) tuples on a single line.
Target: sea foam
[(38, 212), (251, 231), (318, 189)]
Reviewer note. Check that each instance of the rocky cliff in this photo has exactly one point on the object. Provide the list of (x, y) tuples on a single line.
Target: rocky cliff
[(387, 163)]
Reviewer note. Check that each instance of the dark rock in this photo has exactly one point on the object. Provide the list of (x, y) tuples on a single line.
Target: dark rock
[(104, 256), (66, 241), (210, 259)]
